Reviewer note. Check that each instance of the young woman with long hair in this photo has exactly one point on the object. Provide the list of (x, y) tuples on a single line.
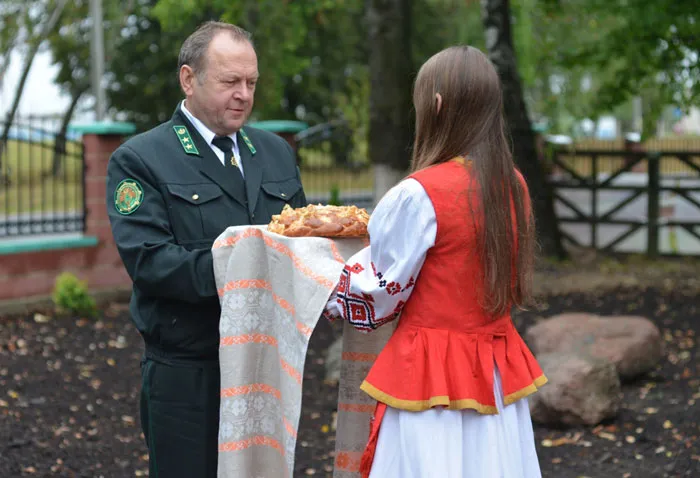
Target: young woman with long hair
[(450, 254)]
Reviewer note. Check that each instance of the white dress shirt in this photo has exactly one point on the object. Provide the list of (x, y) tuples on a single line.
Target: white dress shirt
[(209, 136)]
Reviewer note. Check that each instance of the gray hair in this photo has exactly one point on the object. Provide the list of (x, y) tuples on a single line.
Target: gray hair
[(194, 49)]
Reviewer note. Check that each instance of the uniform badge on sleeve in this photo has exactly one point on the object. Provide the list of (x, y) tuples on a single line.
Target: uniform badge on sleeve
[(128, 196)]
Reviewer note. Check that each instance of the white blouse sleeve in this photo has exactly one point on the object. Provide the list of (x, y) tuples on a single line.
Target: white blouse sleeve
[(377, 281)]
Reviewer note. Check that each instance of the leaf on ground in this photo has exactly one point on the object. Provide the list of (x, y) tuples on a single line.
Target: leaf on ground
[(41, 318), (607, 436)]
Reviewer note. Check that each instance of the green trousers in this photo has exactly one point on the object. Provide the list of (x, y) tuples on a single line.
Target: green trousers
[(180, 419)]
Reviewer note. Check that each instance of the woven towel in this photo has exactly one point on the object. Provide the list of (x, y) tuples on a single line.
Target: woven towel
[(272, 290), (355, 407)]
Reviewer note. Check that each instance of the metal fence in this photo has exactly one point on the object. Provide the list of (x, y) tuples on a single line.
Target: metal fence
[(42, 179), (339, 184), (332, 172)]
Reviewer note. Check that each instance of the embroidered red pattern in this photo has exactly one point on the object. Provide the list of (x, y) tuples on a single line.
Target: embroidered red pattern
[(393, 288), (358, 309), (342, 284)]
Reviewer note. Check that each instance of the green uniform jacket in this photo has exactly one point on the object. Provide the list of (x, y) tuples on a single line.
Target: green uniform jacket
[(169, 197)]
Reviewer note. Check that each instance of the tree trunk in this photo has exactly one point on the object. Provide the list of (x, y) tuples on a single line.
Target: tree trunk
[(499, 42), (59, 151), (33, 50), (390, 67)]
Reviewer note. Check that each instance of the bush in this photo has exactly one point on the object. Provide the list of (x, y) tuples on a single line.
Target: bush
[(335, 196), (71, 296)]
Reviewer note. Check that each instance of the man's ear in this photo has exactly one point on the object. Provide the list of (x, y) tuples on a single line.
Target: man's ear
[(187, 78), (438, 100)]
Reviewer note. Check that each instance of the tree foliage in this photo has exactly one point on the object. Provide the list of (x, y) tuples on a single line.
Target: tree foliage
[(70, 43), (646, 43), (143, 81), (278, 28), (602, 53), (576, 58)]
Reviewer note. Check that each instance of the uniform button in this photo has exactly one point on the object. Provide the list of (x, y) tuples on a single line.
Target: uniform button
[(195, 196), (283, 195)]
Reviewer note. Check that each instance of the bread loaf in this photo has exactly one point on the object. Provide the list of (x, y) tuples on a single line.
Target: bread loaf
[(320, 221)]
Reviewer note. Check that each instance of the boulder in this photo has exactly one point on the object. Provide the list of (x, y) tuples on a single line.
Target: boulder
[(582, 390), (633, 344)]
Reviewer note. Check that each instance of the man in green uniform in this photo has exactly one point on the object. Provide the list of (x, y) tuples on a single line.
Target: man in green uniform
[(170, 192)]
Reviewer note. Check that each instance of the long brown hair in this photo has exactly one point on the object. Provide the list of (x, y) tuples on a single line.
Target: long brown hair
[(470, 124)]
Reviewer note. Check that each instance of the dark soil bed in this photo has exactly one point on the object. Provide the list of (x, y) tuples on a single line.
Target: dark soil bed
[(69, 398)]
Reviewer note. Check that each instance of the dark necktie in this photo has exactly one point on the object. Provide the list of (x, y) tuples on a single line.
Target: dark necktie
[(225, 144)]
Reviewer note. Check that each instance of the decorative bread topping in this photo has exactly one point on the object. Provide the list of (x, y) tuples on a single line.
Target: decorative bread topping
[(317, 220)]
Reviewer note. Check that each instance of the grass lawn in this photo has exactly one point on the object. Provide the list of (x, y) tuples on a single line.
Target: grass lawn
[(320, 181), (49, 195), (319, 175), (32, 188)]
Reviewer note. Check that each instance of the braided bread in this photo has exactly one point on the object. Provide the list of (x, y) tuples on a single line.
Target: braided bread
[(320, 221)]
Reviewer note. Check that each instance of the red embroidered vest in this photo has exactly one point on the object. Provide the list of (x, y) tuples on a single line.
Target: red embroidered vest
[(444, 347)]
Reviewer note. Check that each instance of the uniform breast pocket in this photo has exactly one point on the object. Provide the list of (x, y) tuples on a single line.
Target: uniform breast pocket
[(190, 205), (279, 193)]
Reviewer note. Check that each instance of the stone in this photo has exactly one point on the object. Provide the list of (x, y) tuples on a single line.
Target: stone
[(633, 344), (582, 390)]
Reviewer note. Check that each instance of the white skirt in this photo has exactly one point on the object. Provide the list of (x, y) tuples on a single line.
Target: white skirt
[(440, 443)]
